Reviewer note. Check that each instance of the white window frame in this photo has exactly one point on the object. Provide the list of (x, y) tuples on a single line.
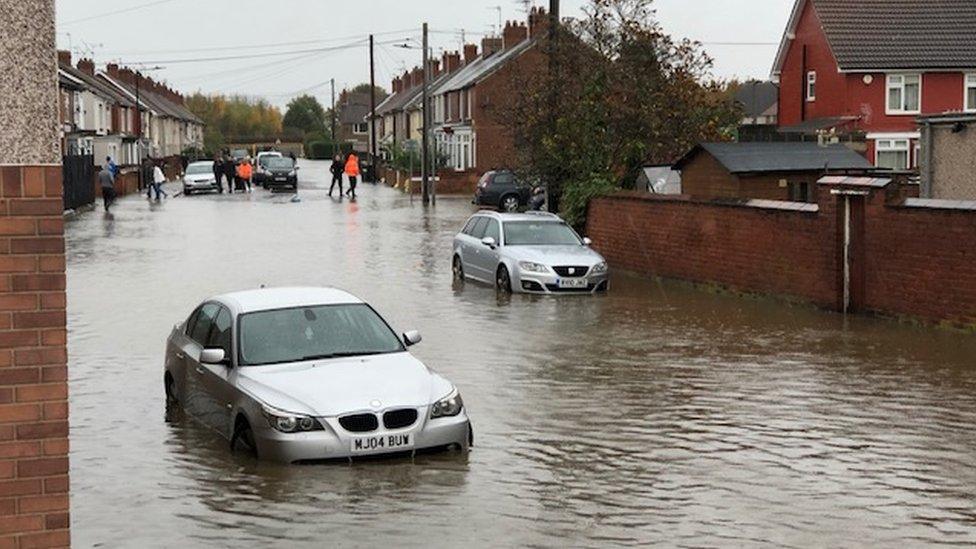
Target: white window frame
[(356, 129), (890, 83), (968, 83), (811, 86), (895, 145)]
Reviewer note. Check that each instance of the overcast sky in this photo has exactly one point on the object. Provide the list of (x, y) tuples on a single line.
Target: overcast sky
[(739, 34)]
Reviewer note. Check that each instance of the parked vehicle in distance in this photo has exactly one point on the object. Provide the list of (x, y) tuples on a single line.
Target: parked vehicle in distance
[(238, 154), (500, 189), (199, 177), (301, 374), (280, 172), (532, 252), (261, 165)]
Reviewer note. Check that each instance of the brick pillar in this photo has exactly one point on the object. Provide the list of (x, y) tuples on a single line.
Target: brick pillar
[(33, 363)]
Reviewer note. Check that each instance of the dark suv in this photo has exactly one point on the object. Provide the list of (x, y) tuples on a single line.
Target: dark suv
[(500, 189)]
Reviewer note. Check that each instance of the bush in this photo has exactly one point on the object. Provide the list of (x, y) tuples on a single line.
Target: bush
[(578, 193), (319, 150)]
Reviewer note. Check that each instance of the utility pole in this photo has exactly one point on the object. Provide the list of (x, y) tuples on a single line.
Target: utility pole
[(372, 109), (424, 142), (332, 81), (555, 183), (139, 133)]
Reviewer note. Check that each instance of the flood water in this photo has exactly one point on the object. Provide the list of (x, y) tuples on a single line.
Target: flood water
[(657, 414)]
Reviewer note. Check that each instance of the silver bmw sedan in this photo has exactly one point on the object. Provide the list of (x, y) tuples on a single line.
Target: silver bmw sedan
[(305, 374), (532, 252)]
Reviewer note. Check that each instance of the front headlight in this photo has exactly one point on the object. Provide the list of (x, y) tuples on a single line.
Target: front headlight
[(599, 268), (533, 267), (448, 406), (292, 173), (290, 423)]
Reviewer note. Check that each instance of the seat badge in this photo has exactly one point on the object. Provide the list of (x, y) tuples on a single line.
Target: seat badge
[(572, 271)]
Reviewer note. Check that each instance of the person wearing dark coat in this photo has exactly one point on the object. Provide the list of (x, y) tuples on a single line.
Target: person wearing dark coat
[(338, 168), (218, 169), (230, 172)]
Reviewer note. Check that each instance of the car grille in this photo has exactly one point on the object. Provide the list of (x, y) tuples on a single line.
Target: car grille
[(359, 423), (398, 419), (571, 271), (557, 290)]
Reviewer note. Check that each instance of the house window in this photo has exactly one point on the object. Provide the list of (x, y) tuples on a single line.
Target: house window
[(892, 154), (812, 86), (970, 92), (360, 128), (904, 93)]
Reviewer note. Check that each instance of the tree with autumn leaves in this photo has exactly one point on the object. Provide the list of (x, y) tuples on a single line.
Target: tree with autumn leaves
[(619, 94)]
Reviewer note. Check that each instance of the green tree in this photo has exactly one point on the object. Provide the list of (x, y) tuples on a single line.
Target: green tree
[(234, 117), (306, 114), (622, 94)]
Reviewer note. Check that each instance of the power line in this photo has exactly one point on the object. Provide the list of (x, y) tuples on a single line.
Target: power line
[(261, 46), (116, 12), (255, 55)]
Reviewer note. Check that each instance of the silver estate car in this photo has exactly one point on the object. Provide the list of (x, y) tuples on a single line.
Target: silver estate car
[(308, 374), (532, 252)]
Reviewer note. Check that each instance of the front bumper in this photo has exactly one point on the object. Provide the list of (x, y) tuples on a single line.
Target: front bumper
[(200, 186), (283, 181), (548, 283), (336, 443)]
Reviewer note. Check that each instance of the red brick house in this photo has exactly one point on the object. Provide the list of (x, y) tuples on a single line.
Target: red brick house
[(873, 66)]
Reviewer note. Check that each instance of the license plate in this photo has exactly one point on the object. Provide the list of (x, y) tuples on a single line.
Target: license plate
[(572, 283), (384, 443), (281, 179)]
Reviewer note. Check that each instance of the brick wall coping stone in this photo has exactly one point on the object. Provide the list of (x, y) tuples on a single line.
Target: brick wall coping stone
[(779, 205), (855, 181), (940, 204)]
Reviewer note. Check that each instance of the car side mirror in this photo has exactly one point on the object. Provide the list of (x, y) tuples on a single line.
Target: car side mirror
[(587, 242), (213, 356), (412, 338), (489, 241)]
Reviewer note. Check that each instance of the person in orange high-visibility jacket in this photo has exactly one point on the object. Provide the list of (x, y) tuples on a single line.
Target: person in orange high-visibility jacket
[(352, 172), (244, 172)]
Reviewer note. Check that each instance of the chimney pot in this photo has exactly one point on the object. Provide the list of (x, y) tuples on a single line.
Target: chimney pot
[(64, 57)]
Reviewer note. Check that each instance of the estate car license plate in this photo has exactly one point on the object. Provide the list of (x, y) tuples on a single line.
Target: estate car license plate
[(281, 179), (382, 443), (572, 283)]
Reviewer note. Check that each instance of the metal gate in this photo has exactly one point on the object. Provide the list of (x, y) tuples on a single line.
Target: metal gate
[(78, 175)]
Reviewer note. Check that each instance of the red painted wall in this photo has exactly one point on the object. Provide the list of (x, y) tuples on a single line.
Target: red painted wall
[(840, 94)]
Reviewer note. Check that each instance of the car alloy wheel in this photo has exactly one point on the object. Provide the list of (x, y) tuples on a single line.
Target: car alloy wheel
[(243, 439), (510, 203), (458, 268), (503, 282)]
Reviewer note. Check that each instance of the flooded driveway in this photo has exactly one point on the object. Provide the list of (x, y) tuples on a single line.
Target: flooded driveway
[(654, 414)]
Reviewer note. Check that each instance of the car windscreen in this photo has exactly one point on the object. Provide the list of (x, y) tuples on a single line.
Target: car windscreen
[(539, 233), (278, 163), (307, 333), (197, 169)]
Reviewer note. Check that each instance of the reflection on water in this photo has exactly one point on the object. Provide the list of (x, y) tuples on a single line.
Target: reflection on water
[(656, 413)]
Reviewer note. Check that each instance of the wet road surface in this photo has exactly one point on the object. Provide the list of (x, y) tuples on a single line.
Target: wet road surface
[(655, 414)]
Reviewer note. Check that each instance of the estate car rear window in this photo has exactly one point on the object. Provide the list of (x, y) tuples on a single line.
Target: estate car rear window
[(315, 332), (536, 233)]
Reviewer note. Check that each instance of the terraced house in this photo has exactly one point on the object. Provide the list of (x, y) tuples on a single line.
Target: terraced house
[(872, 67)]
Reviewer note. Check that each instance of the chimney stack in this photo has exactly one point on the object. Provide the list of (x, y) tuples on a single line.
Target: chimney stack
[(395, 85), (435, 68), (451, 61), (112, 69), (64, 57), (417, 77), (538, 22), (470, 53), (86, 66), (492, 45), (514, 33)]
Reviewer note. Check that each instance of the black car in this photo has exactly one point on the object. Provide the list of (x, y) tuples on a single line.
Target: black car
[(281, 172), (500, 189)]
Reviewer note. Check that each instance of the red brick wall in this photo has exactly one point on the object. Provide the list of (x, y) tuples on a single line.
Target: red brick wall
[(921, 262), (917, 262), (33, 361), (750, 249)]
